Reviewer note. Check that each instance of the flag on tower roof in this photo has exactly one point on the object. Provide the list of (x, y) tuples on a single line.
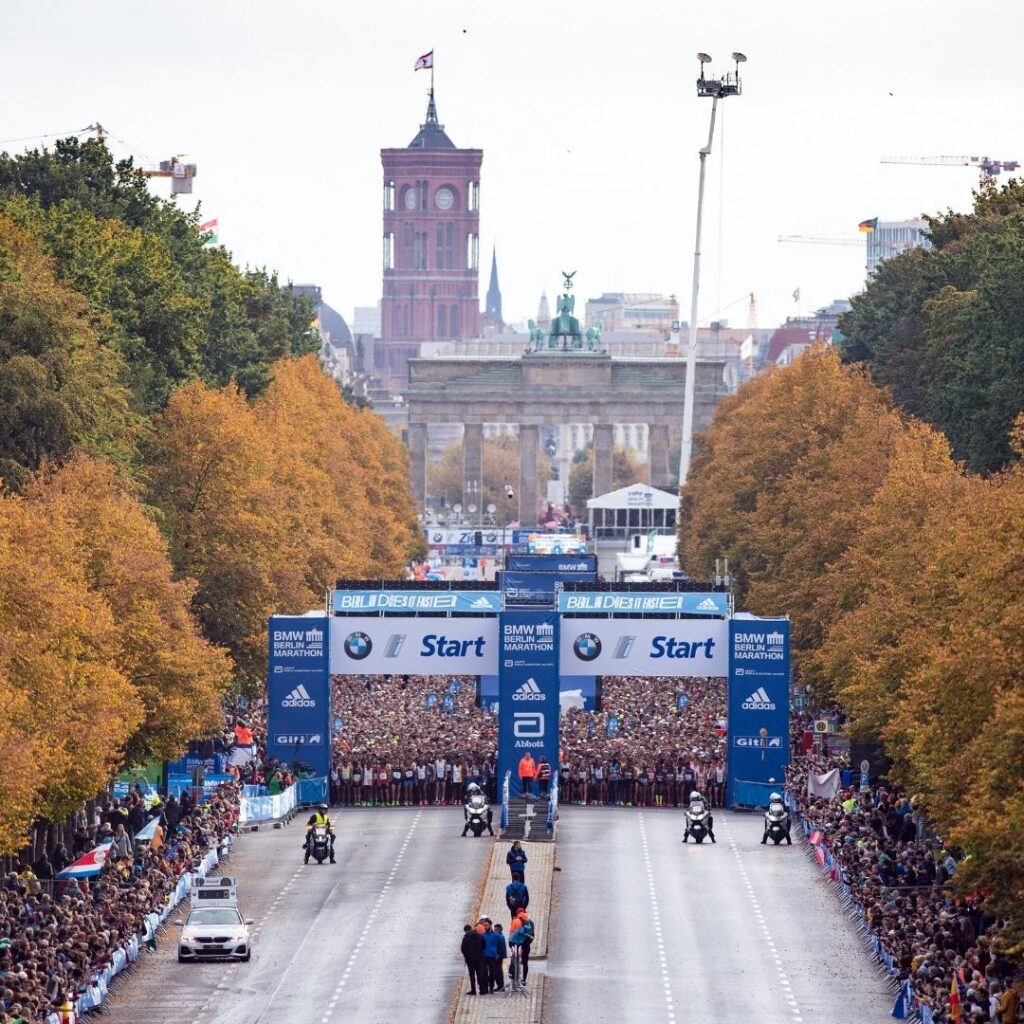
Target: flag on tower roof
[(868, 226), (424, 62)]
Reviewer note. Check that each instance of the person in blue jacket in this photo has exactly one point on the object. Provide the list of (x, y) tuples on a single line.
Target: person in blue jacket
[(516, 860), (516, 894), (499, 978), (491, 950)]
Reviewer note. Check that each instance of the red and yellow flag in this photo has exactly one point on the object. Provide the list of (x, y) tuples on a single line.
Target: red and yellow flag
[(954, 1000)]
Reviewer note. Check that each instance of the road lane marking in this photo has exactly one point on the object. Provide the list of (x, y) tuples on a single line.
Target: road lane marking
[(656, 913), (780, 970), (343, 980)]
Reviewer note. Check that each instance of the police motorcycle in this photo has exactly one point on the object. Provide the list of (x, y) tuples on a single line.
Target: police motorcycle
[(776, 821), (318, 842), (477, 812), (698, 820)]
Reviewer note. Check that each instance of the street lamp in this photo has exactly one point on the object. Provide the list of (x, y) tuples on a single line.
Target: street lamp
[(718, 89)]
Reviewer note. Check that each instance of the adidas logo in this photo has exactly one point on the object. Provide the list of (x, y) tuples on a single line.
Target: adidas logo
[(298, 698), (758, 701), (482, 602), (709, 604), (529, 691)]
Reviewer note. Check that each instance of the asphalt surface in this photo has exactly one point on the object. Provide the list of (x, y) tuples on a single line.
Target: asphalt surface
[(372, 939), (649, 930)]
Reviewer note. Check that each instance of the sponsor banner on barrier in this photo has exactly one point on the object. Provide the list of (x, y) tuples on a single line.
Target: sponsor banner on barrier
[(420, 646), (552, 563), (528, 690), (758, 702), (446, 536), (644, 647), (355, 601), (298, 691), (651, 602)]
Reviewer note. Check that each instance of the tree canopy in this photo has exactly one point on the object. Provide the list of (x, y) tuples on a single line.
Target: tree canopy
[(943, 328)]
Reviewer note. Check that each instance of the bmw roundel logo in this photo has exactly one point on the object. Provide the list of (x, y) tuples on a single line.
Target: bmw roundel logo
[(358, 646), (587, 646)]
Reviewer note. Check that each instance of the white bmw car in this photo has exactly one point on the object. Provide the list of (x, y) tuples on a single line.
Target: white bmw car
[(215, 932)]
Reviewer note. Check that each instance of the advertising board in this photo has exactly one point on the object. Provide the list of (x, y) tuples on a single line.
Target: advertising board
[(363, 601), (637, 602), (644, 647), (413, 646)]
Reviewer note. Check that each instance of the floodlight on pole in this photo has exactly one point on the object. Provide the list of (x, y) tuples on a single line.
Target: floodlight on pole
[(717, 88)]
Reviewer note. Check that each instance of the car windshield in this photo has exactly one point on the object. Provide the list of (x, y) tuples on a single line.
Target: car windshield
[(214, 915)]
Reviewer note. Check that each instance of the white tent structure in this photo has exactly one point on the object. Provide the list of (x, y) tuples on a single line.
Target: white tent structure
[(640, 520)]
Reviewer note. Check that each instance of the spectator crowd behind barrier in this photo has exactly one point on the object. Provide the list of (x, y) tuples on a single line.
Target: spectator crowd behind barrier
[(938, 950)]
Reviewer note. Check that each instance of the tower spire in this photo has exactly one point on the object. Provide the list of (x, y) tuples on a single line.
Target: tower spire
[(493, 311)]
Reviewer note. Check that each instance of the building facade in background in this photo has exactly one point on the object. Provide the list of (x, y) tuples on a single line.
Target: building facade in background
[(431, 248), (891, 237)]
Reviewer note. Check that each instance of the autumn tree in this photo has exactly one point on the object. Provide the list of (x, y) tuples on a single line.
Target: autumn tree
[(626, 470)]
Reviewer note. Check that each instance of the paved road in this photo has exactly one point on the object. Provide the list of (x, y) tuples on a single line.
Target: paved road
[(724, 934), (349, 943)]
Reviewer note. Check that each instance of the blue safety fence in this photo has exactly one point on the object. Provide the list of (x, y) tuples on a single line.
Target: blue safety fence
[(832, 872), (265, 807), (752, 794), (505, 788), (99, 984), (311, 791), (553, 802)]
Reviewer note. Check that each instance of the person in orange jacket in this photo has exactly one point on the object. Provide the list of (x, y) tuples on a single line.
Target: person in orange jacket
[(527, 773)]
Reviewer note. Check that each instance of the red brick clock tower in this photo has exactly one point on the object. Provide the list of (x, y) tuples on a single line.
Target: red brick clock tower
[(431, 247)]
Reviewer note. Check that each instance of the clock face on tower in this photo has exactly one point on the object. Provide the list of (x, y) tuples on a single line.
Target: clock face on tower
[(444, 198), (410, 198)]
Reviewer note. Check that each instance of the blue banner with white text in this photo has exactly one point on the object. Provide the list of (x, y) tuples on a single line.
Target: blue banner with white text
[(299, 691), (758, 722), (551, 563), (528, 690), (538, 588)]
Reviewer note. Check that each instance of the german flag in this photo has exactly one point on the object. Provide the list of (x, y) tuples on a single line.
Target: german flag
[(867, 226)]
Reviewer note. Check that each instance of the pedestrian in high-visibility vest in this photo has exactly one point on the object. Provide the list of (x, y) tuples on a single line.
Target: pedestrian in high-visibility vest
[(527, 773)]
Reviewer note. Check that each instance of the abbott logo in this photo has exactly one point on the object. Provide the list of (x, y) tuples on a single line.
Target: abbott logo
[(298, 698), (528, 725), (358, 646), (528, 691), (758, 701)]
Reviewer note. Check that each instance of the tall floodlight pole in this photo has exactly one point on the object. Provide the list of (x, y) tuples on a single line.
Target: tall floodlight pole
[(717, 89)]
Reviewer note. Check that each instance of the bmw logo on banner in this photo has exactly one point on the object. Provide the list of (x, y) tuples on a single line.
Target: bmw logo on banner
[(358, 646), (587, 646)]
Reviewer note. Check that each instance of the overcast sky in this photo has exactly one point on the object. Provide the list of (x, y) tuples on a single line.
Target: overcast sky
[(586, 111)]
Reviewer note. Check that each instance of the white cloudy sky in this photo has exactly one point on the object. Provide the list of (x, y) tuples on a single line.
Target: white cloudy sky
[(586, 111)]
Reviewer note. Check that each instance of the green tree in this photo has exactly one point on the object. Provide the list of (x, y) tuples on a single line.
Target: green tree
[(943, 328)]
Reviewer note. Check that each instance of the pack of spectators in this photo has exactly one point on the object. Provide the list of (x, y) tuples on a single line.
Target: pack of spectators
[(899, 881), (55, 934)]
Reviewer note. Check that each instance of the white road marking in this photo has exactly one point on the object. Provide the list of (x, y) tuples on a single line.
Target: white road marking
[(652, 892), (780, 970), (343, 981)]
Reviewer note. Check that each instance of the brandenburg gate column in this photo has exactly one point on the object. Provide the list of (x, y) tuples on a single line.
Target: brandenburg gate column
[(529, 496), (657, 455), (603, 437), (472, 462), (418, 461)]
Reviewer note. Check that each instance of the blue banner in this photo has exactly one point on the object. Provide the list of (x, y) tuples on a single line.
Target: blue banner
[(449, 703), (712, 604), (299, 691), (537, 588), (431, 700), (758, 734), (454, 686), (528, 688), (611, 727), (360, 602), (551, 563), (682, 701), (187, 764)]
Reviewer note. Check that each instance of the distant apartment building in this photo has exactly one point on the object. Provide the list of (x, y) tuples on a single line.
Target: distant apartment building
[(891, 237), (623, 311)]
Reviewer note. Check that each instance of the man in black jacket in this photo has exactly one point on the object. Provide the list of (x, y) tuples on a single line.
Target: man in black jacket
[(472, 953)]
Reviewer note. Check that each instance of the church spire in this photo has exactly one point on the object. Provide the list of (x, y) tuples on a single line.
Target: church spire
[(493, 311)]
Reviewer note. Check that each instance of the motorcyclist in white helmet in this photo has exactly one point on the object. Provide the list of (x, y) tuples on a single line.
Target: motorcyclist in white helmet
[(776, 807), (698, 801), (475, 798)]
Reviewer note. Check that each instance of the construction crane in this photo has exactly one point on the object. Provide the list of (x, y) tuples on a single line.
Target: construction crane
[(821, 240), (180, 173), (989, 168)]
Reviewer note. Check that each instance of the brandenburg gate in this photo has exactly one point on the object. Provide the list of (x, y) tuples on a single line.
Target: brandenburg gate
[(563, 377)]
